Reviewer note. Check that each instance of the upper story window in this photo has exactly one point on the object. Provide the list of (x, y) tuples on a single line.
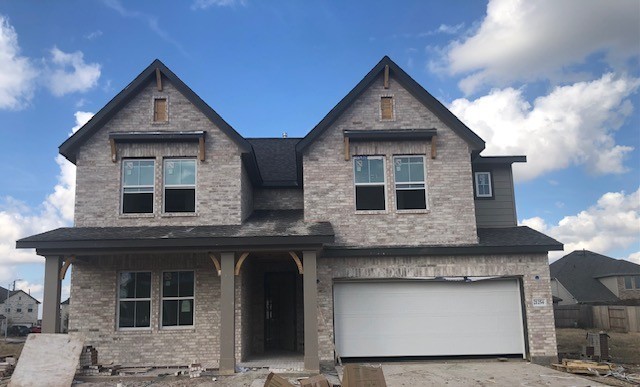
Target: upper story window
[(386, 108), (483, 188), (134, 299), (632, 282), (369, 182), (410, 182), (137, 186), (177, 298), (179, 185), (160, 110)]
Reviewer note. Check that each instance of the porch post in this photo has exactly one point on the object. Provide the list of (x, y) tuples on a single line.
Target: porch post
[(311, 359), (51, 301), (227, 314)]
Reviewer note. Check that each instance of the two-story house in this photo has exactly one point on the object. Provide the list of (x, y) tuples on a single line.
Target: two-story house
[(18, 307), (382, 233)]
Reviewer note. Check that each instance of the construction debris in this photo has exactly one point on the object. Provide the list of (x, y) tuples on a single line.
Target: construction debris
[(274, 380), (315, 381), (355, 375), (195, 370), (584, 367), (7, 364)]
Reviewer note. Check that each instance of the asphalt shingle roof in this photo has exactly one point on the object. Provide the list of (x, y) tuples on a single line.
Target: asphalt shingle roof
[(277, 161), (579, 271)]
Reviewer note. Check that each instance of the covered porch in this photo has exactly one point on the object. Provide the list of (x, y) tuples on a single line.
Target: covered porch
[(264, 295)]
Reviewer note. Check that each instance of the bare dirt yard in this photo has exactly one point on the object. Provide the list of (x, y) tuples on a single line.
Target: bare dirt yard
[(624, 348), (12, 347)]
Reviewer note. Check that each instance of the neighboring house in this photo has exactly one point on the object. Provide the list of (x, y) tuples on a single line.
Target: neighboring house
[(20, 308), (64, 316), (382, 233), (585, 277)]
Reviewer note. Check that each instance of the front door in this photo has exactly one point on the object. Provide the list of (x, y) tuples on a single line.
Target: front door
[(280, 312)]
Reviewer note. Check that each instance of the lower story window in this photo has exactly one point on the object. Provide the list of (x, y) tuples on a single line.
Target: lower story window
[(134, 299), (177, 298)]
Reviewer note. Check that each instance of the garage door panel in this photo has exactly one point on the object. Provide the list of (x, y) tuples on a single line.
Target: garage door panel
[(422, 318)]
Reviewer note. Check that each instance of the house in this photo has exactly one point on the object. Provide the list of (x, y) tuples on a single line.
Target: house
[(382, 233), (585, 277), (18, 307)]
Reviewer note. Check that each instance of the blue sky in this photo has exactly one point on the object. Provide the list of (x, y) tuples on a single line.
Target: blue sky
[(557, 81)]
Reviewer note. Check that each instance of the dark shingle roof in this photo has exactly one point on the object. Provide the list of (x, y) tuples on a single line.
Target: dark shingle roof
[(579, 272), (262, 227), (277, 160), (515, 236)]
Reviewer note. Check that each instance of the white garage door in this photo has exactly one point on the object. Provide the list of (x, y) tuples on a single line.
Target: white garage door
[(428, 318)]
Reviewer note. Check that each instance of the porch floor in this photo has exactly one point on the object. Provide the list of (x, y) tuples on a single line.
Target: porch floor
[(276, 361)]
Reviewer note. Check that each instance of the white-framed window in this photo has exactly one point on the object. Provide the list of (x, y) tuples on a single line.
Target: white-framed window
[(179, 185), (483, 184), (632, 282), (369, 180), (411, 192), (134, 299), (178, 298), (137, 186)]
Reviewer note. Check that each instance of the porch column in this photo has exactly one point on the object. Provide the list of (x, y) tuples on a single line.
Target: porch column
[(51, 301), (227, 314), (311, 359)]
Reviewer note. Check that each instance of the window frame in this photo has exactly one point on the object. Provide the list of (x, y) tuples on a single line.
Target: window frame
[(393, 107), (476, 188), (163, 298), (181, 186), (153, 109), (123, 187), (119, 299), (634, 282), (424, 182), (383, 184)]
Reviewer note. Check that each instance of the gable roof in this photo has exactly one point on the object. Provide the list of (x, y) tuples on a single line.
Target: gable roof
[(413, 87), (3, 294), (579, 272), (70, 147)]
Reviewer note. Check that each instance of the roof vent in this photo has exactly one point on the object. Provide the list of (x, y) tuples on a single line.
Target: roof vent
[(284, 135)]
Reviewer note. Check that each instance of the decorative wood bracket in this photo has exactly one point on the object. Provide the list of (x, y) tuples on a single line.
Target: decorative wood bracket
[(240, 262), (201, 154), (297, 260), (433, 147), (347, 151), (386, 76), (65, 266), (216, 263), (159, 80), (112, 142)]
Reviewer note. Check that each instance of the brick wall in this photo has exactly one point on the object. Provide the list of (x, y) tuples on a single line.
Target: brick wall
[(278, 199), (219, 197), (329, 187), (627, 294), (93, 312), (539, 320)]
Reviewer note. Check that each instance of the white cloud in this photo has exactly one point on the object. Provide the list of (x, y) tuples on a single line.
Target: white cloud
[(81, 119), (444, 29), (635, 257), (528, 40), (71, 74), (17, 74), (613, 223), (204, 4), (93, 35), (18, 220), (572, 125)]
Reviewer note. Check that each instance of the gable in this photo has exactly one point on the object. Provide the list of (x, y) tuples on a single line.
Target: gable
[(155, 72), (387, 68)]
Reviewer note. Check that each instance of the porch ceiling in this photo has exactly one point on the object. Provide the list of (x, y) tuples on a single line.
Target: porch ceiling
[(262, 230)]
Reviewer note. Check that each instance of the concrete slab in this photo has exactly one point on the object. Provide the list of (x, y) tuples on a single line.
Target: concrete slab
[(47, 360)]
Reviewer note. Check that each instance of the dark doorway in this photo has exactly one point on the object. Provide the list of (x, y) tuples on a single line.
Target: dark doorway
[(280, 311)]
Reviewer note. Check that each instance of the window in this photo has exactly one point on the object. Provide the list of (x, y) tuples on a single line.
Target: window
[(30, 310), (637, 281), (483, 185), (160, 113), (8, 310), (137, 186), (631, 282), (134, 300), (19, 310), (386, 108), (410, 183), (179, 185), (177, 298), (369, 182)]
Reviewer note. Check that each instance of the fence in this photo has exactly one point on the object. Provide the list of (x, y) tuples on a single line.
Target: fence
[(607, 317)]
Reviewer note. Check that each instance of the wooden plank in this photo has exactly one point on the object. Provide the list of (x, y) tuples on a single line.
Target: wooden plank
[(347, 154), (112, 142), (201, 154), (386, 76), (158, 80), (160, 110), (67, 263), (240, 262), (433, 147), (386, 108)]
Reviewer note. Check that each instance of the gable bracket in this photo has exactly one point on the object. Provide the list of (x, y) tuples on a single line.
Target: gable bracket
[(158, 79), (347, 151), (433, 147), (201, 155), (112, 142), (386, 76)]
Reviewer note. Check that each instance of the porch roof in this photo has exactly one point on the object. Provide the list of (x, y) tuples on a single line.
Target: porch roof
[(262, 229)]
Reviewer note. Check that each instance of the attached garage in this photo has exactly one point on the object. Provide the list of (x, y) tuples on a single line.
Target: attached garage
[(390, 318)]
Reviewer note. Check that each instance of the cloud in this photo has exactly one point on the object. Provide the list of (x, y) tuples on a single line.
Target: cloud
[(93, 35), (613, 223), (17, 74), (71, 73), (572, 125), (635, 257), (529, 40), (444, 29), (18, 220), (204, 4)]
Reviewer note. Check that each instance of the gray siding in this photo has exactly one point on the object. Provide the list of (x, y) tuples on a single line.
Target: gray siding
[(499, 211)]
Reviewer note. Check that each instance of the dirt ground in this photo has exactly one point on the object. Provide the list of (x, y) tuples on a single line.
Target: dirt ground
[(13, 347), (624, 348)]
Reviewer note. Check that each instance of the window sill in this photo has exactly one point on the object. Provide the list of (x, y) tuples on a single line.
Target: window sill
[(371, 212), (189, 329), (425, 211), (135, 216), (179, 214), (159, 122), (133, 330)]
